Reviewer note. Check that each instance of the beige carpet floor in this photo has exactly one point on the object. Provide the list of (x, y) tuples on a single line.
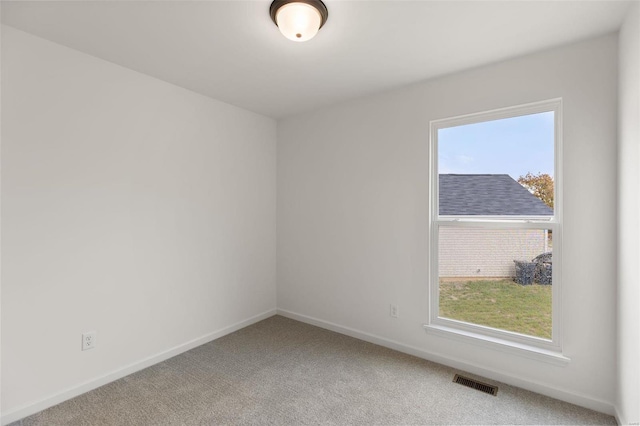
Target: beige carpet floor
[(283, 372)]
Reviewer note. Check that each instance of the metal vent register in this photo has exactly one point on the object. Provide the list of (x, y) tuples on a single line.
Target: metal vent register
[(474, 384)]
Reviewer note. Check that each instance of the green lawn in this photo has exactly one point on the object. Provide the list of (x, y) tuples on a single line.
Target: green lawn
[(499, 304)]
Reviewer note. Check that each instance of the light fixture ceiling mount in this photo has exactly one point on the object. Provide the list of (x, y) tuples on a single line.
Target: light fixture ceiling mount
[(299, 20)]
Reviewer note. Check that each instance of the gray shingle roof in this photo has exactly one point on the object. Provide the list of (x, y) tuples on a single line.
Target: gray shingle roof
[(491, 195)]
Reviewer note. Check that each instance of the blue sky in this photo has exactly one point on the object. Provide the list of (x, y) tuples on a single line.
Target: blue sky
[(513, 146)]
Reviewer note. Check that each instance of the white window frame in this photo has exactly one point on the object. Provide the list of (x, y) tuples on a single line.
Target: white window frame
[(547, 349)]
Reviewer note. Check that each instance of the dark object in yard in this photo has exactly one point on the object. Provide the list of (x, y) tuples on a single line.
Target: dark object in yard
[(543, 258), (544, 268), (525, 272)]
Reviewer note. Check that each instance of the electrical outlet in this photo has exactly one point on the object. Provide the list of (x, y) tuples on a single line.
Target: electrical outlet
[(393, 311), (88, 340)]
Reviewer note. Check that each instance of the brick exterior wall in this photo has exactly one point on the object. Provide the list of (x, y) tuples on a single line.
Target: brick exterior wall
[(486, 253)]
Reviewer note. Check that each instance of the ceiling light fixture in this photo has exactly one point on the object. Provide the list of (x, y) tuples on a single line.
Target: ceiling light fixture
[(299, 20)]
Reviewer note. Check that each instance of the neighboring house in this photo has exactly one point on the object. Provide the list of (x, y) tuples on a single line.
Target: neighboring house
[(487, 253)]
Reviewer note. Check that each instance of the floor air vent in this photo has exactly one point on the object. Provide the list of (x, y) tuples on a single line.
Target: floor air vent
[(474, 384)]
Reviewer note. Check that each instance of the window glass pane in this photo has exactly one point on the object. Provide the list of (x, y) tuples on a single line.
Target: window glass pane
[(499, 278), (498, 168)]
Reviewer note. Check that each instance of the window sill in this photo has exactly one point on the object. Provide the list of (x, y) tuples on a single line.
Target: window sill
[(502, 345)]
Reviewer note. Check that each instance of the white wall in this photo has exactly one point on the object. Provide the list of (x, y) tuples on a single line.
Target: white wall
[(129, 206), (0, 221), (628, 216), (353, 208)]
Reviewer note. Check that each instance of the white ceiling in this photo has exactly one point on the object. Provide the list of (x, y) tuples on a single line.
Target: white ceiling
[(231, 51)]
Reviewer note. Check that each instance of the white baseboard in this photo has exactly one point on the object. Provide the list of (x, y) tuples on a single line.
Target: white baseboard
[(563, 395), (37, 406), (619, 417)]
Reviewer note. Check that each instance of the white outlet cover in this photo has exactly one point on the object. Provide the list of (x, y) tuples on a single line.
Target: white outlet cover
[(88, 340), (393, 311)]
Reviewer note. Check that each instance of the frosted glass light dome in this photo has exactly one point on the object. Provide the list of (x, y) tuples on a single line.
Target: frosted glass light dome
[(299, 20)]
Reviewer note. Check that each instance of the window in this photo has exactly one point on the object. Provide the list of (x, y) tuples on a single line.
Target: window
[(495, 227)]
